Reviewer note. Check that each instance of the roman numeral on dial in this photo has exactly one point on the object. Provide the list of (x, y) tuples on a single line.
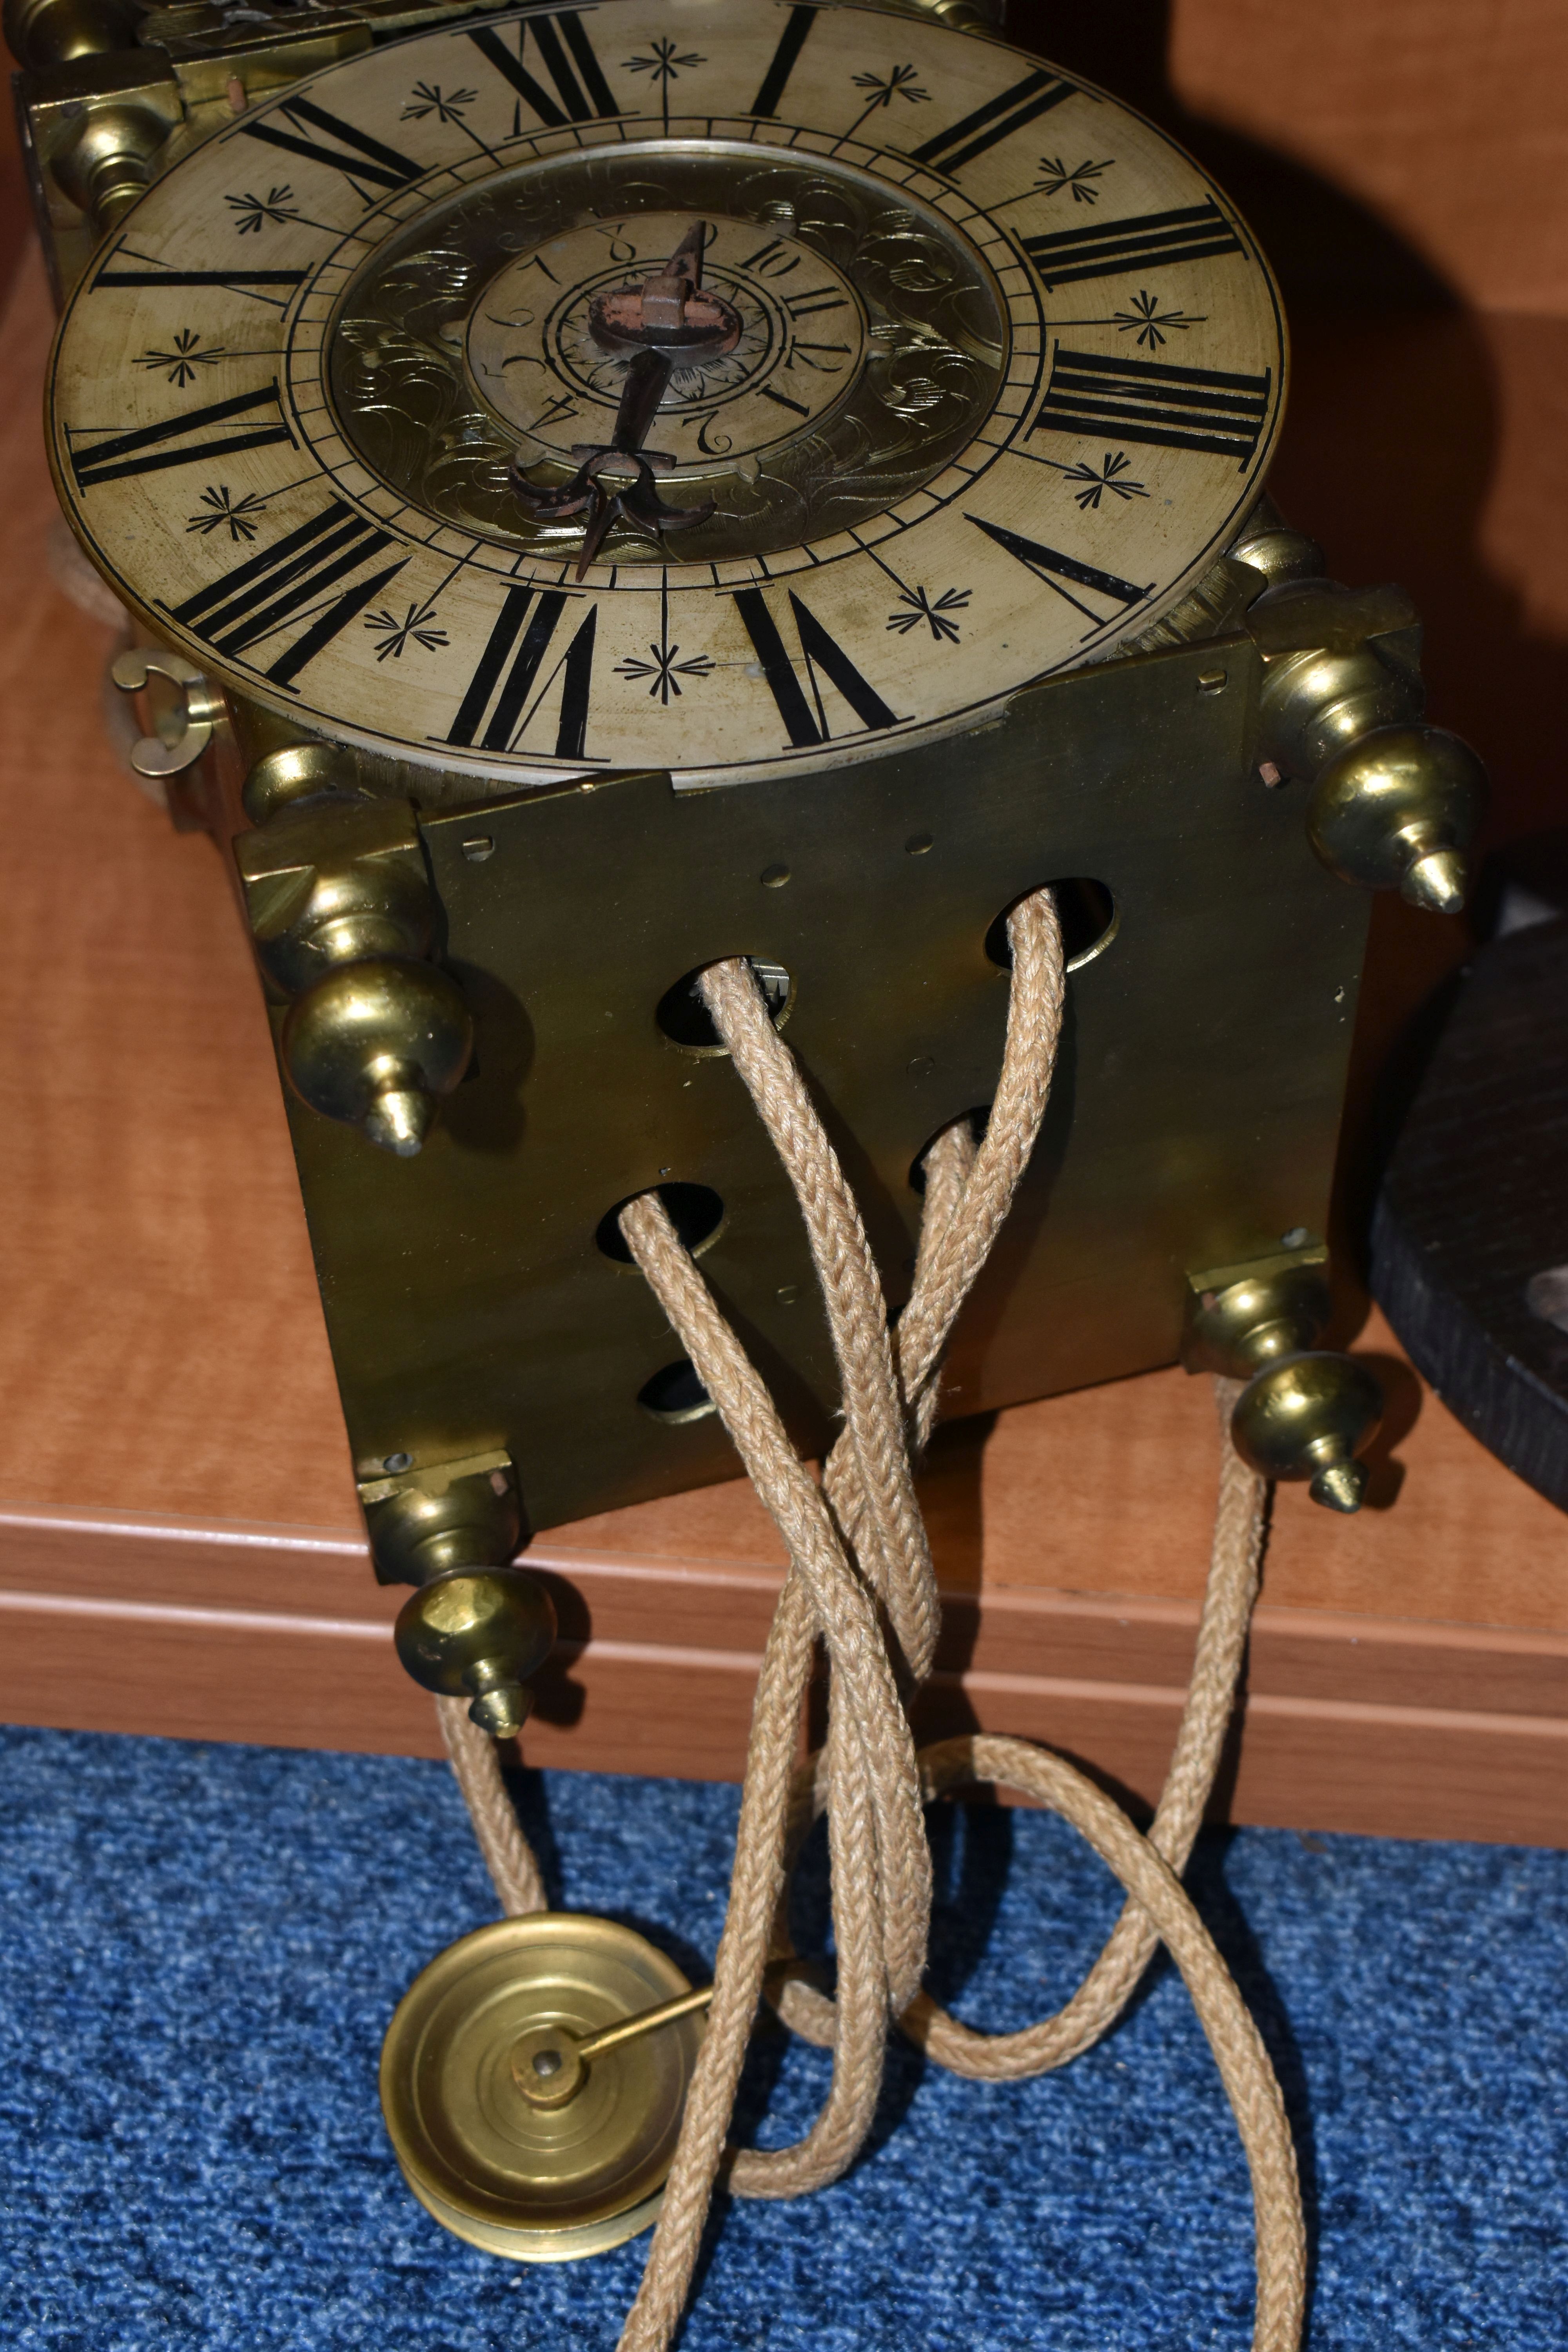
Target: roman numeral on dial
[(503, 679), (288, 583), (791, 40), (997, 118), (574, 101), (1149, 400), (1047, 563), (181, 440), (819, 651), (367, 159), (1116, 249), (115, 272)]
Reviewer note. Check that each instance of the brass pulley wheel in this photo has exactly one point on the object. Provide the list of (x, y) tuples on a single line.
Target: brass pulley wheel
[(520, 2124)]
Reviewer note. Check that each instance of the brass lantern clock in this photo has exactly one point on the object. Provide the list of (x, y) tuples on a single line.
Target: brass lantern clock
[(603, 491), (611, 489)]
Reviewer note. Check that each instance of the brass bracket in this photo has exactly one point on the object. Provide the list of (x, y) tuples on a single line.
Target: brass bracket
[(1238, 1315), (202, 707), (423, 1521)]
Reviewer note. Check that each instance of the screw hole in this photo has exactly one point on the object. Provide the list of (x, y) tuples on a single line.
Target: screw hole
[(1213, 681), (696, 1212), (774, 877), (1089, 918), (675, 1395), (917, 844), (685, 1019)]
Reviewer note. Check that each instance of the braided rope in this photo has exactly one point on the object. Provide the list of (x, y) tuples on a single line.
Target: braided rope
[(857, 1541)]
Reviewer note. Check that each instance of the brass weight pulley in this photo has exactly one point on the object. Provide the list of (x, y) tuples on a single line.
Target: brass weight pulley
[(533, 2081)]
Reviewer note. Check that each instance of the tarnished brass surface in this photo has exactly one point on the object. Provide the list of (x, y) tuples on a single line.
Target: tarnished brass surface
[(1307, 1416), (1305, 1413), (1192, 1121), (537, 2181), (446, 1514), (1396, 810), (1239, 1321), (1395, 804), (199, 709), (479, 1637), (469, 336)]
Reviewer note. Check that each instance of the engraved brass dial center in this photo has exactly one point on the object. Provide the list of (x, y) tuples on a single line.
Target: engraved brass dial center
[(549, 341)]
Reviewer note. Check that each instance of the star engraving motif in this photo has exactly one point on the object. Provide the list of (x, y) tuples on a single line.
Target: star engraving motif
[(1080, 179), (427, 97), (937, 615), (1112, 477), (665, 671), (413, 629), (666, 64), (182, 362), (900, 83), (252, 211), (1153, 325), (226, 511)]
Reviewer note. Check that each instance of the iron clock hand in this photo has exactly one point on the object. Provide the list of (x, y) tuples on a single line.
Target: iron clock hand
[(665, 320)]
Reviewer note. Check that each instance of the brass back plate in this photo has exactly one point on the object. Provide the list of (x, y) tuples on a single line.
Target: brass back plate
[(1192, 1121), (539, 2185)]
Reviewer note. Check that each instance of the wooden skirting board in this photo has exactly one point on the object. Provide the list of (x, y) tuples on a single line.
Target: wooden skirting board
[(122, 1621)]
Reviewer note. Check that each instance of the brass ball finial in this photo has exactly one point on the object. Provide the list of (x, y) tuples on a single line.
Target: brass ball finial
[(479, 1636), (1395, 810), (1307, 1416), (377, 1043)]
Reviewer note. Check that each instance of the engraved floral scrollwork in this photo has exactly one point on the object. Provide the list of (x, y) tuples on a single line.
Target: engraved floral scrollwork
[(902, 395)]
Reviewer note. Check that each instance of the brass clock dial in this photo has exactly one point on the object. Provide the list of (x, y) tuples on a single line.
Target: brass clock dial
[(1008, 372)]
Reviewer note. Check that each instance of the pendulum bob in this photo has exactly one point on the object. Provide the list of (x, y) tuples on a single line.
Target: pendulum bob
[(526, 2116)]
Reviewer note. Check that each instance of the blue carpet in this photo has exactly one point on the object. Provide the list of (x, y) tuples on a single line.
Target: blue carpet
[(202, 1947)]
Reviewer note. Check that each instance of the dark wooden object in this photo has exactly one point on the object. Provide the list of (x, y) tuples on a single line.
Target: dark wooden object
[(1474, 1209)]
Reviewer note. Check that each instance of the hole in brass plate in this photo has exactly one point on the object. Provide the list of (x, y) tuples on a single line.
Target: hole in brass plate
[(975, 1120), (1213, 681), (917, 844), (1091, 918), (675, 1395), (694, 1210), (684, 1019)]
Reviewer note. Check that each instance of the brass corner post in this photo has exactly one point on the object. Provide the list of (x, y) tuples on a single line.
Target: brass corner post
[(1306, 1413), (345, 922), (476, 1628), (1394, 803)]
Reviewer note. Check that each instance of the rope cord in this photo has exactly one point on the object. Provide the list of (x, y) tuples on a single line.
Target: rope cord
[(861, 1581)]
